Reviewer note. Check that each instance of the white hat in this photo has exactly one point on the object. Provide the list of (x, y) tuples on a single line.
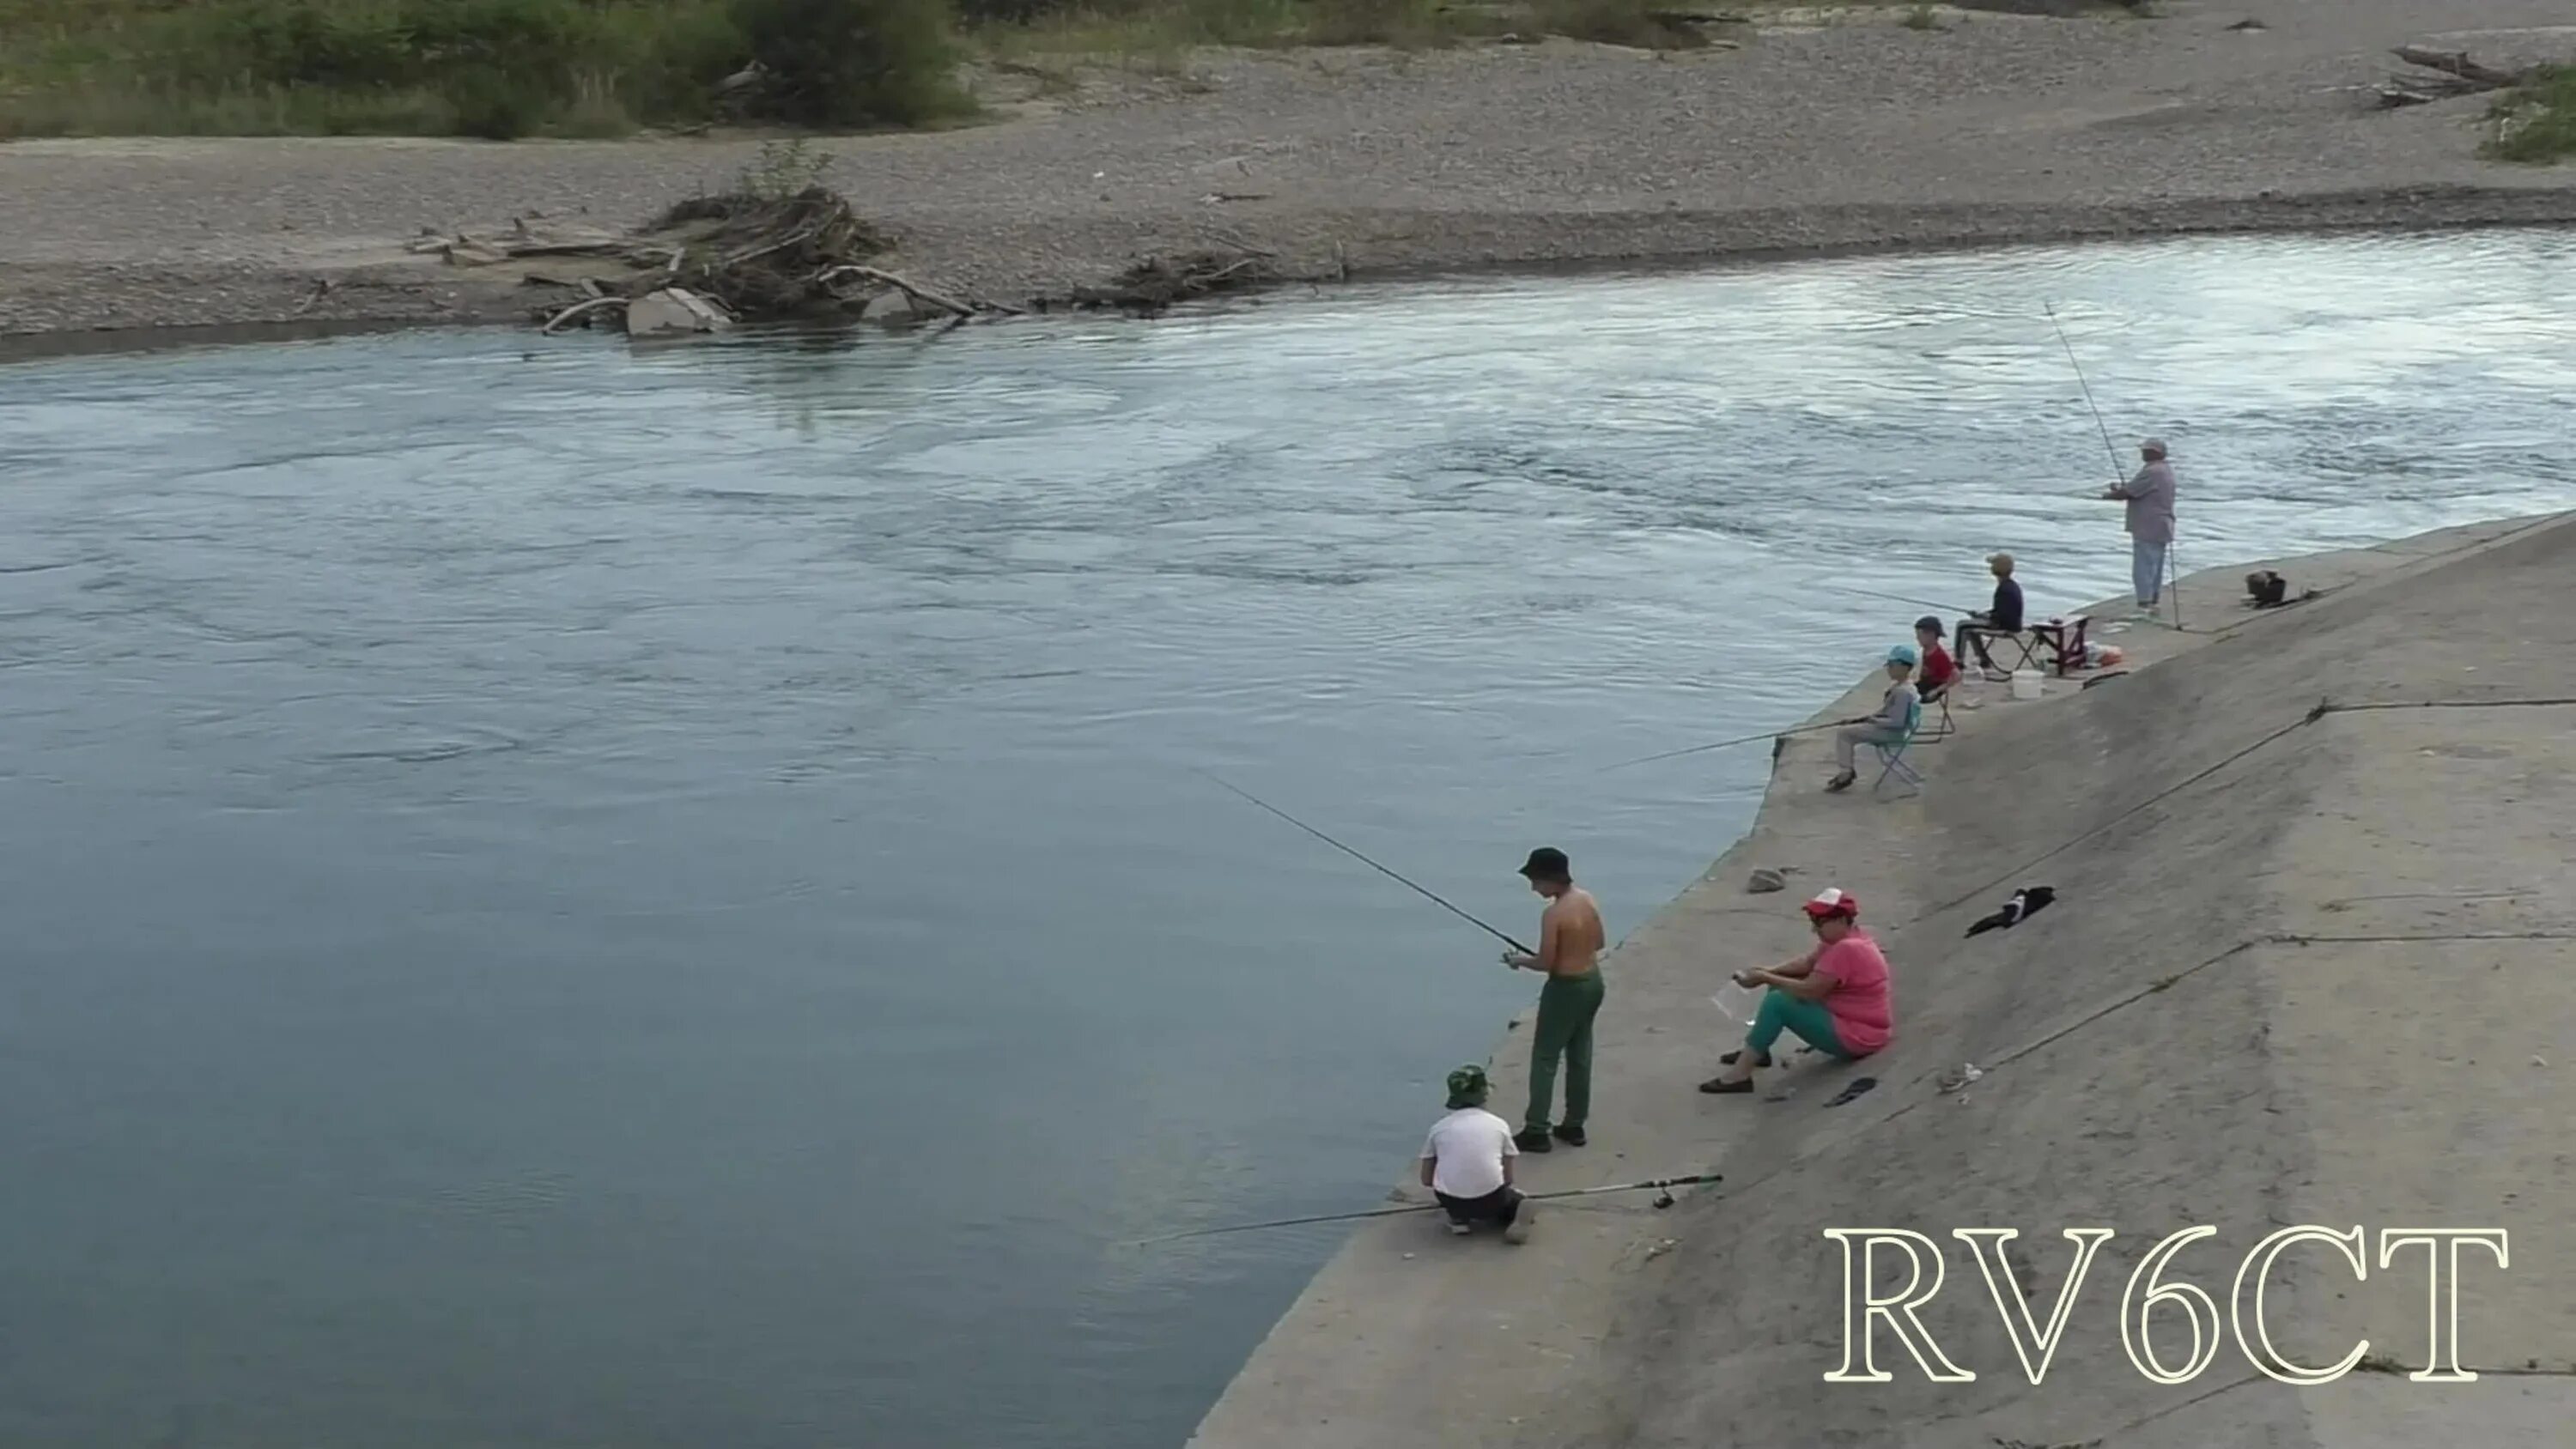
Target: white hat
[(1833, 901)]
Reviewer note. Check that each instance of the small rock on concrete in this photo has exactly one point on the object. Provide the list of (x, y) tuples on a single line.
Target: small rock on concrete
[(1765, 881)]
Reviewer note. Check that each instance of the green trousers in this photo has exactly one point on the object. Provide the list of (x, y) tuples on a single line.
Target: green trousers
[(1566, 1006)]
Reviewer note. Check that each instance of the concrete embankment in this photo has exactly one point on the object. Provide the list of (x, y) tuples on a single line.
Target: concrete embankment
[(2307, 965)]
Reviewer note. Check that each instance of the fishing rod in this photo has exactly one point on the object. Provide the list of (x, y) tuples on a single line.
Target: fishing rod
[(1661, 1186), (1723, 744), (2109, 449), (1427, 894), (1898, 598), (2173, 560)]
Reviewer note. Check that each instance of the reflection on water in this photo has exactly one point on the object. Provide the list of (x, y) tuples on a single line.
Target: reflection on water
[(566, 896)]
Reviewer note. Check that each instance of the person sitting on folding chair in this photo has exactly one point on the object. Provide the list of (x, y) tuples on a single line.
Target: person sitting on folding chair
[(2001, 620), (1892, 725), (1939, 670)]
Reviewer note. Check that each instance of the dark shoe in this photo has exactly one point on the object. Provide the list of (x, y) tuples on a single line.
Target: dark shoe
[(1841, 782), (1719, 1087), (1533, 1141), (1857, 1086), (1570, 1136), (1731, 1058)]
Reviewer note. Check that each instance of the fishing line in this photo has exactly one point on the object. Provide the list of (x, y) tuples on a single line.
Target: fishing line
[(1660, 1186), (1426, 893)]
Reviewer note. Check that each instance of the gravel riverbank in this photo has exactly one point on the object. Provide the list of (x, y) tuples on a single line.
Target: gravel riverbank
[(1858, 132)]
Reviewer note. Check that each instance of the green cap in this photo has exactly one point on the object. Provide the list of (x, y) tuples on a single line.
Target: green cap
[(1467, 1088)]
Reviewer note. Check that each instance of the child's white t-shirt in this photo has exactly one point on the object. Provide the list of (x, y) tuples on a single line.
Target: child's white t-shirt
[(1467, 1149)]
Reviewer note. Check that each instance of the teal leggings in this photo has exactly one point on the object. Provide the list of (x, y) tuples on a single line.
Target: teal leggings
[(1807, 1020)]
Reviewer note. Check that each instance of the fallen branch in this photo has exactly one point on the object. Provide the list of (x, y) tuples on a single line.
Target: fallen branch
[(1154, 284), (2454, 74), (2457, 63), (2418, 90), (918, 294)]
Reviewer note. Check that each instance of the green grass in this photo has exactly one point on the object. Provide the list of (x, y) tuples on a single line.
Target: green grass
[(1154, 30), (494, 68), (2536, 122), (506, 68), (1158, 33)]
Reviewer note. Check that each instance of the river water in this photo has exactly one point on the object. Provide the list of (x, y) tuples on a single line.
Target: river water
[(560, 895)]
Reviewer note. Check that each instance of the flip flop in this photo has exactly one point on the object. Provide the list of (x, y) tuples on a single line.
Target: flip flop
[(1858, 1086)]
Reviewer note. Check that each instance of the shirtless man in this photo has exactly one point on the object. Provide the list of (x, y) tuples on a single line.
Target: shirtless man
[(1570, 942)]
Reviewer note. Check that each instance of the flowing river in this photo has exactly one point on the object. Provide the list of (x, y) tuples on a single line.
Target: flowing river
[(561, 895)]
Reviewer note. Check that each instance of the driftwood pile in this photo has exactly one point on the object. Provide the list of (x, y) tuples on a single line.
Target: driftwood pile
[(2447, 73), (1154, 284), (710, 261)]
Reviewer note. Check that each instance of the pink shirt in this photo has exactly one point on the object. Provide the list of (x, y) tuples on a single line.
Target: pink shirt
[(1864, 1016)]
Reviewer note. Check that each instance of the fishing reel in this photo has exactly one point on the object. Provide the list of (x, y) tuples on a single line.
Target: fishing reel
[(1663, 1199)]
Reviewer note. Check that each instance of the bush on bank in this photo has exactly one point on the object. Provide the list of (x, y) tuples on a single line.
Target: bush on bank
[(493, 68), (506, 68), (2536, 122)]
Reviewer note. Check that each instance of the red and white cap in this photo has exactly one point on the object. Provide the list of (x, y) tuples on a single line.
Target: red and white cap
[(1834, 902)]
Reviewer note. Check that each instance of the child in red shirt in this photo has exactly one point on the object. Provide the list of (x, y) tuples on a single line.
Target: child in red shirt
[(1939, 669)]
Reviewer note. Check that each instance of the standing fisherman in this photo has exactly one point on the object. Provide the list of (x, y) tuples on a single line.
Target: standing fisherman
[(2150, 496), (1570, 941)]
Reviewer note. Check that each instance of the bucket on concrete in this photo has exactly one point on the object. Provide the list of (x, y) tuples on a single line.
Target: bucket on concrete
[(2026, 684)]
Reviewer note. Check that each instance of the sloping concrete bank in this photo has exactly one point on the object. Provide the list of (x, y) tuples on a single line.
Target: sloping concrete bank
[(2304, 967)]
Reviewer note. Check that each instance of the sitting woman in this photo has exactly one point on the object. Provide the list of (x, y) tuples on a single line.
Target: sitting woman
[(1834, 998)]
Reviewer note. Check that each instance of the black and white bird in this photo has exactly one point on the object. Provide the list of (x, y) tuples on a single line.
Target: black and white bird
[(2025, 903)]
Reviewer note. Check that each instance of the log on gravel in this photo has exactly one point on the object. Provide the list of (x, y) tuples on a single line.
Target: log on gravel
[(2456, 63)]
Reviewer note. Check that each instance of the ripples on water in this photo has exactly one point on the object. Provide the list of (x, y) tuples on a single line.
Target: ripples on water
[(562, 896)]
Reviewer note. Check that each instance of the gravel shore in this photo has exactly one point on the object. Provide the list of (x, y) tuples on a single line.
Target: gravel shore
[(1855, 132)]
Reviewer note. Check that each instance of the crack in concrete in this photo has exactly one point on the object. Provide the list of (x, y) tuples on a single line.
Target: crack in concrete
[(2324, 707), (2524, 1371), (2305, 940), (2168, 1410), (2410, 559)]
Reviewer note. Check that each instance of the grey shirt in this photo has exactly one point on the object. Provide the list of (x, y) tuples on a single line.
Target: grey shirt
[(2151, 502), (1898, 708)]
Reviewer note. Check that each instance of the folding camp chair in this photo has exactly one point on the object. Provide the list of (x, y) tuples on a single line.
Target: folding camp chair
[(1947, 726), (2055, 644), (1891, 756)]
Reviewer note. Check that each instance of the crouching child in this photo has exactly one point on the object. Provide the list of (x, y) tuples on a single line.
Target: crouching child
[(1467, 1163)]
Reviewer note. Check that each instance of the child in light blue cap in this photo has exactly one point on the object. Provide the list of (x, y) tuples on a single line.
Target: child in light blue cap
[(1893, 724)]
